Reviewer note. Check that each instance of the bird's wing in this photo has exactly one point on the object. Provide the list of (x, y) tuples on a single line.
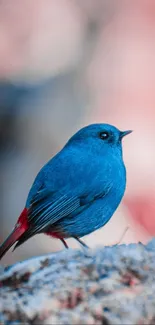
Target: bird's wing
[(50, 208), (47, 207)]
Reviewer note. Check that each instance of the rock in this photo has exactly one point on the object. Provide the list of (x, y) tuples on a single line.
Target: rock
[(110, 285)]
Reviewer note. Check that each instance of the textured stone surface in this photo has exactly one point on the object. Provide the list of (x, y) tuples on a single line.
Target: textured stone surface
[(111, 285)]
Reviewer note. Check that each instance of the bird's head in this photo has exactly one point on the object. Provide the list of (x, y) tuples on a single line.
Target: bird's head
[(100, 137)]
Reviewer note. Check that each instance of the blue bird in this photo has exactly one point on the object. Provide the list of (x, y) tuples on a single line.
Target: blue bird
[(77, 191)]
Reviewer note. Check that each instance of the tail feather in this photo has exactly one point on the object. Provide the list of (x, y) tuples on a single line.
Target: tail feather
[(23, 238), (11, 239)]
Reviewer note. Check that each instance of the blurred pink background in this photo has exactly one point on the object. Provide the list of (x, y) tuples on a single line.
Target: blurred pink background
[(65, 64)]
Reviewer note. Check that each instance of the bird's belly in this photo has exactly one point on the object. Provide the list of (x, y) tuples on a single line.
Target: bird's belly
[(91, 219)]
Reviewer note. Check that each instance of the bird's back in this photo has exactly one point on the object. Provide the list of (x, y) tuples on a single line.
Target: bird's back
[(78, 171)]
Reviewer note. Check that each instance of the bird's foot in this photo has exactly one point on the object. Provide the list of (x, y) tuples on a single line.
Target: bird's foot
[(81, 242), (86, 249)]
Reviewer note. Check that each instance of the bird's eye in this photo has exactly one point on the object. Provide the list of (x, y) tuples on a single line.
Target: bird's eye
[(104, 135)]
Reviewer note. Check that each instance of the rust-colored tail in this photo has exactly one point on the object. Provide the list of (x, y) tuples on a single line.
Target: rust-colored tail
[(11, 239), (20, 227)]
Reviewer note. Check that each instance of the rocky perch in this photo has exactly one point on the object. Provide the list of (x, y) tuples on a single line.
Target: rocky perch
[(111, 285)]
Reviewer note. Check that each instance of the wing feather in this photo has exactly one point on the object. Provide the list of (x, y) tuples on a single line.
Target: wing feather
[(50, 209), (46, 208)]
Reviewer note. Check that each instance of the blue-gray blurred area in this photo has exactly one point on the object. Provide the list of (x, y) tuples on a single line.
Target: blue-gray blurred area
[(35, 122)]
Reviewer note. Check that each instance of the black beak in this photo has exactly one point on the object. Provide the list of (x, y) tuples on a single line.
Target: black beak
[(124, 133)]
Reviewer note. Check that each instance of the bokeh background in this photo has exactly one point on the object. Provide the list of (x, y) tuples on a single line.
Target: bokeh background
[(65, 64)]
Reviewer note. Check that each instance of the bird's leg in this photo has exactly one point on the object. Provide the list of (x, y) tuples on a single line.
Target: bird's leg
[(64, 243), (81, 242)]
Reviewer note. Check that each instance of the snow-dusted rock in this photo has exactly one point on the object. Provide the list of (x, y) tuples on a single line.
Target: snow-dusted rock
[(109, 285)]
